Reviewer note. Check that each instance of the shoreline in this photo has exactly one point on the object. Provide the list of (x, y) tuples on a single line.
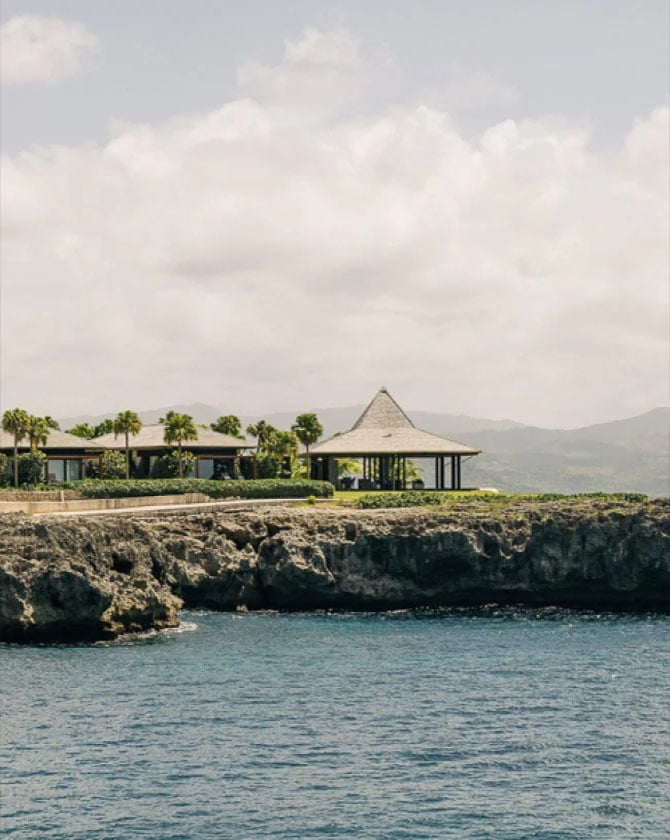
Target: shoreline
[(88, 578)]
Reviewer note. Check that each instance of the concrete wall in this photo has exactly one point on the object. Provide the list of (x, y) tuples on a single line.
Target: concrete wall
[(74, 505)]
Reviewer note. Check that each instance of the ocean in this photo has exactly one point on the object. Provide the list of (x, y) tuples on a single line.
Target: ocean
[(497, 723)]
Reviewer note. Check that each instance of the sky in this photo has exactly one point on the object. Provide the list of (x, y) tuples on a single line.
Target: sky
[(285, 205)]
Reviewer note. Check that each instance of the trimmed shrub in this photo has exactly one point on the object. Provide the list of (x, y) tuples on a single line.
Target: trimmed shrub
[(268, 467), (5, 476), (31, 468), (112, 465), (411, 498), (408, 498), (167, 466), (275, 488)]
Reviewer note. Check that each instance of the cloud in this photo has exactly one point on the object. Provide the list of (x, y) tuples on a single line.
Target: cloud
[(253, 261), (39, 50), (322, 70)]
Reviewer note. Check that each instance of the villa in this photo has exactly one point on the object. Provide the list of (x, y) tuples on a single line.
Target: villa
[(216, 455), (66, 454)]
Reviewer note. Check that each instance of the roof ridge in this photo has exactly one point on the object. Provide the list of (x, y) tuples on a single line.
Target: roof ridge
[(367, 420)]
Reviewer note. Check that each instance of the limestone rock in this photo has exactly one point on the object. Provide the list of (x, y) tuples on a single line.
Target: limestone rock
[(96, 577)]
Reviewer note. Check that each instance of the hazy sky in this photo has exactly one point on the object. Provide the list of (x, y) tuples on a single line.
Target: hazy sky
[(284, 205)]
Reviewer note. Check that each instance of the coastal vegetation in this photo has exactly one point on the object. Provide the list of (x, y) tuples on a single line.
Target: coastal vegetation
[(411, 498), (179, 428), (228, 424), (275, 488), (127, 423), (308, 430), (15, 422)]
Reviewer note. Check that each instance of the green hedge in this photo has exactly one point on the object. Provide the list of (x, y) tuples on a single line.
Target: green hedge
[(409, 498), (412, 498), (272, 488)]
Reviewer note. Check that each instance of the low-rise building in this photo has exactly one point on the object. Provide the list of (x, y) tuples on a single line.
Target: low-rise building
[(216, 455)]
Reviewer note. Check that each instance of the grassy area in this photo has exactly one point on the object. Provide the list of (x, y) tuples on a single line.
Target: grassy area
[(409, 498), (356, 495)]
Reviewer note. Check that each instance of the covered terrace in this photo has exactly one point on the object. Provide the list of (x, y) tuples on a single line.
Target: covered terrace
[(383, 440)]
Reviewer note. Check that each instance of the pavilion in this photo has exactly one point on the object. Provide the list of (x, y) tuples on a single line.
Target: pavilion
[(384, 438)]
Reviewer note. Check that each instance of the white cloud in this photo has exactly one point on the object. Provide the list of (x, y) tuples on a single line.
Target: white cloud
[(256, 262), (322, 71), (39, 50)]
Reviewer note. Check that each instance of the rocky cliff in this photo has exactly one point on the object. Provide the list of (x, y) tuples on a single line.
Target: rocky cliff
[(88, 577)]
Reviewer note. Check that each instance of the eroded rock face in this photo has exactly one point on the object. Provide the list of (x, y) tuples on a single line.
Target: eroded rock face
[(96, 577), (73, 580)]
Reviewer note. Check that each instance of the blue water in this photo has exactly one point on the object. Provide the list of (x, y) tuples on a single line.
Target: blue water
[(502, 724)]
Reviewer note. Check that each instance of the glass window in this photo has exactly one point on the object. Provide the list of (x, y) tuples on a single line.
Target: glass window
[(205, 467), (73, 470), (55, 470)]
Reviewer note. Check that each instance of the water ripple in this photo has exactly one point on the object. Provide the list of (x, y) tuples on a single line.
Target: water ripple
[(492, 723)]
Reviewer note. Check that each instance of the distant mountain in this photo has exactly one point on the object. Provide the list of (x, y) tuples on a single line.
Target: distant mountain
[(201, 413), (333, 419), (623, 455)]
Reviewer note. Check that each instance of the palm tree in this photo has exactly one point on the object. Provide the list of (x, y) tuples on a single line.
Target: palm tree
[(82, 430), (127, 423), (51, 423), (228, 424), (283, 447), (178, 428), (103, 428), (262, 431), (15, 422), (308, 430), (37, 431)]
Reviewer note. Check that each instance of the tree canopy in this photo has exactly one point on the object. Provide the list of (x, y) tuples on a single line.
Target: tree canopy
[(262, 431), (228, 424), (38, 431), (104, 427), (82, 430), (308, 429)]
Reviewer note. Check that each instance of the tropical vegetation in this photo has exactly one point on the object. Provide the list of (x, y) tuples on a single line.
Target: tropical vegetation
[(228, 424), (38, 431), (308, 430), (16, 422), (275, 488), (179, 428), (127, 423)]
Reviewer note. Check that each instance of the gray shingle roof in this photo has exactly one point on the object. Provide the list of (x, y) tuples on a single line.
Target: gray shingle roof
[(384, 429), (56, 440), (151, 437)]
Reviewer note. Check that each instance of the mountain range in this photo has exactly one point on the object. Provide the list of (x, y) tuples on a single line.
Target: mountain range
[(623, 455)]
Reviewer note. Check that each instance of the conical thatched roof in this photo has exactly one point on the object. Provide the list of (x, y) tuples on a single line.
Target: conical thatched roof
[(384, 429)]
